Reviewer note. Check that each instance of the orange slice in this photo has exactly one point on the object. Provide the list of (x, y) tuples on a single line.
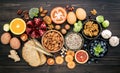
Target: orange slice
[(68, 58), (81, 56), (71, 65), (17, 26), (59, 60), (58, 15)]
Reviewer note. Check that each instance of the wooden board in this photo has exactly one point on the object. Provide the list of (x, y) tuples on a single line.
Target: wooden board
[(109, 8)]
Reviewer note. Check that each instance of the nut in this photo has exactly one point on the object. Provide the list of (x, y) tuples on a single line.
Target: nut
[(41, 9), (19, 12), (44, 11)]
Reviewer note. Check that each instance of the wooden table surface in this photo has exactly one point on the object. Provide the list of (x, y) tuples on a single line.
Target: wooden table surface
[(108, 8)]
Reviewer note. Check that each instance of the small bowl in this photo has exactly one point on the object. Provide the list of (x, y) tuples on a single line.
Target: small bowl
[(68, 46), (93, 37), (94, 43), (60, 44)]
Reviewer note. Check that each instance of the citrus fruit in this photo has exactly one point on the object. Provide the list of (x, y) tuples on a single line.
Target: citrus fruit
[(81, 56), (17, 26), (58, 15)]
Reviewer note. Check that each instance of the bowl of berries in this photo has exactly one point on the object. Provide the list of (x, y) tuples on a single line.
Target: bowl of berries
[(98, 48)]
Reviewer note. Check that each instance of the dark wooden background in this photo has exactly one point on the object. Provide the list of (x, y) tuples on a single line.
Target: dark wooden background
[(109, 8)]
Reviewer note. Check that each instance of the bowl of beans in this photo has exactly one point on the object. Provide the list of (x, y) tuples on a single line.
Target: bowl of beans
[(52, 41)]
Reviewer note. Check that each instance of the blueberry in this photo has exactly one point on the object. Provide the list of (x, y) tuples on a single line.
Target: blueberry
[(91, 50), (85, 45), (89, 62), (104, 47), (102, 55), (92, 59)]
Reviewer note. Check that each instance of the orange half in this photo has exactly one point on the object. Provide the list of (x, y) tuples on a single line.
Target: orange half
[(17, 26)]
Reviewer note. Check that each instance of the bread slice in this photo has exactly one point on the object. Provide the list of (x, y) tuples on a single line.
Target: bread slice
[(30, 55), (42, 58)]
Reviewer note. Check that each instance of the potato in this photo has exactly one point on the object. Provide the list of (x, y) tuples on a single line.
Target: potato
[(71, 18), (5, 38), (15, 43), (81, 13)]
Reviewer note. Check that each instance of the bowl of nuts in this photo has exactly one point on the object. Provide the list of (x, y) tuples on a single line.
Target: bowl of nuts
[(52, 41), (91, 29)]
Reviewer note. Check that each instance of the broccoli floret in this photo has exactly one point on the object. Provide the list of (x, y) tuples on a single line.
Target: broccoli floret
[(33, 12)]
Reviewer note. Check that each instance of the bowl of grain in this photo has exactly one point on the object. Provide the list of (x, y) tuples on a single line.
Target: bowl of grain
[(74, 41)]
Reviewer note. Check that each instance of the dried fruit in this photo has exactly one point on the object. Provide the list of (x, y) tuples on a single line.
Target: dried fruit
[(50, 61), (47, 20), (24, 37)]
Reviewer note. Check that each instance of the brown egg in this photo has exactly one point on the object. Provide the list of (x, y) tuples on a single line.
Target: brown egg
[(15, 43), (5, 38)]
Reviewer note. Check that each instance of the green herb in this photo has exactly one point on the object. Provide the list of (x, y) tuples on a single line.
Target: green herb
[(98, 49)]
